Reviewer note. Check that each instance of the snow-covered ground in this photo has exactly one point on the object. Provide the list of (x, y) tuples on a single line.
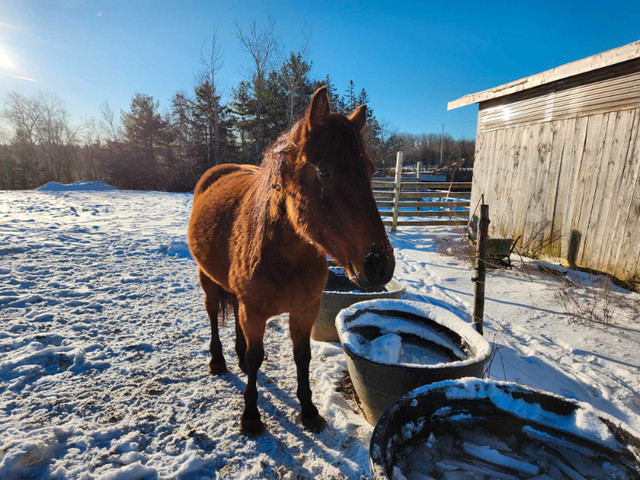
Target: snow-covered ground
[(104, 338)]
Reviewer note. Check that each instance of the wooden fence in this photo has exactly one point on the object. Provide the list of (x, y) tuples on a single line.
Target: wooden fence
[(443, 203)]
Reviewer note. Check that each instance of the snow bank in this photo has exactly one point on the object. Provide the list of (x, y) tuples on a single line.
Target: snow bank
[(81, 185)]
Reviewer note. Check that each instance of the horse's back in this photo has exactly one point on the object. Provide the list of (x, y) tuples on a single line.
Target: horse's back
[(215, 203), (211, 176)]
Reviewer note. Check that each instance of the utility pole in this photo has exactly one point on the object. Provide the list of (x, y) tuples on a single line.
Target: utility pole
[(441, 144), (396, 191)]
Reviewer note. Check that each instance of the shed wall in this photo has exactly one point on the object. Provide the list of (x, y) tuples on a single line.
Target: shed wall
[(569, 183)]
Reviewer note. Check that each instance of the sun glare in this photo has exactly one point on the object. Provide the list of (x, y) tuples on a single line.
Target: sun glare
[(5, 59)]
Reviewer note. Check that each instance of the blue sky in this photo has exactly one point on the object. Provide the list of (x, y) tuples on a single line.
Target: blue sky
[(412, 57)]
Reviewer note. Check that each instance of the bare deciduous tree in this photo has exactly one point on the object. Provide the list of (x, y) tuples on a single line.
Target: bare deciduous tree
[(109, 123), (210, 65), (23, 116), (262, 46), (56, 136), (43, 137)]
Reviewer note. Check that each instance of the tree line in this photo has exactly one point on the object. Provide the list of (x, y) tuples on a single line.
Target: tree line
[(146, 148)]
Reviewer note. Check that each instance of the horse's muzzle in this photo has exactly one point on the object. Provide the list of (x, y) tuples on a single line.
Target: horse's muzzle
[(378, 268)]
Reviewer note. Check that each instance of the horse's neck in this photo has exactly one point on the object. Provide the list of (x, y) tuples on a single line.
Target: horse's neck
[(273, 230)]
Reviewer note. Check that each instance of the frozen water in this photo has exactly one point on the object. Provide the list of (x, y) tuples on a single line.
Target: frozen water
[(421, 355), (450, 455), (385, 349), (397, 349)]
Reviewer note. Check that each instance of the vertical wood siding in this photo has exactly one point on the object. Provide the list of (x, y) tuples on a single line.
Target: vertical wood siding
[(570, 186)]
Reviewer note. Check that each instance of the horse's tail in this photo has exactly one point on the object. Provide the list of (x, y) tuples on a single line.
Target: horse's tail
[(227, 304)]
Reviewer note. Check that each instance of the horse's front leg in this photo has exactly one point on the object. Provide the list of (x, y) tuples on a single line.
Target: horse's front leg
[(253, 326), (300, 324)]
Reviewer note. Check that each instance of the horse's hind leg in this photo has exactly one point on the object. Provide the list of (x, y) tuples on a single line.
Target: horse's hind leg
[(241, 343), (300, 330), (217, 364)]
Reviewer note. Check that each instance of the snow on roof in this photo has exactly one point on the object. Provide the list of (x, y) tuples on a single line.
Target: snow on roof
[(584, 65)]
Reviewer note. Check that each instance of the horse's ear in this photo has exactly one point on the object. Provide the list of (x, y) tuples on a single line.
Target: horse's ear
[(320, 108), (359, 117)]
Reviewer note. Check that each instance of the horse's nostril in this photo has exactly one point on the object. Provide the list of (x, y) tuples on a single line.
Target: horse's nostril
[(375, 268)]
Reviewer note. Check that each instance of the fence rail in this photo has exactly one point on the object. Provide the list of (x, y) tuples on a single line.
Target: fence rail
[(426, 204), (423, 194), (423, 185), (404, 200)]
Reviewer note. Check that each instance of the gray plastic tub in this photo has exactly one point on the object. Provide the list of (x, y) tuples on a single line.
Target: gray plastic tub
[(341, 293), (378, 382)]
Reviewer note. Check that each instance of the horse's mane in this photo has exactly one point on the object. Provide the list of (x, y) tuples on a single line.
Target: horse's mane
[(267, 194)]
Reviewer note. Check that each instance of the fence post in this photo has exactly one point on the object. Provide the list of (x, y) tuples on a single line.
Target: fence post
[(396, 190), (418, 170), (481, 269)]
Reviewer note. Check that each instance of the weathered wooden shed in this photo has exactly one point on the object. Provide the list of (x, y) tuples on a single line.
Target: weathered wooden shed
[(558, 161)]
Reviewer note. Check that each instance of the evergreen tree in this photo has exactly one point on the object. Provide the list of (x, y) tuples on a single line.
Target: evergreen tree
[(350, 97), (336, 101), (241, 109), (373, 132), (148, 136), (212, 140), (275, 102), (262, 47), (298, 86), (181, 121), (183, 174)]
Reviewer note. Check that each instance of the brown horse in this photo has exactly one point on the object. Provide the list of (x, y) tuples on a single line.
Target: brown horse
[(261, 235)]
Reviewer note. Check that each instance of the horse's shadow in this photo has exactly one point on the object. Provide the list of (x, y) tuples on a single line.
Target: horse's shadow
[(286, 451)]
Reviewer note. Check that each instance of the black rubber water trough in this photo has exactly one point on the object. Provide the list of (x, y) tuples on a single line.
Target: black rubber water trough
[(339, 293), (394, 346), (481, 429)]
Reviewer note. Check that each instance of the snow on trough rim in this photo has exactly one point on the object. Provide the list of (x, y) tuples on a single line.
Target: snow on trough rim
[(104, 349), (584, 421)]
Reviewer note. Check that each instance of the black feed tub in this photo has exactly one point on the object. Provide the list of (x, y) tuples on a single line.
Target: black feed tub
[(507, 411)]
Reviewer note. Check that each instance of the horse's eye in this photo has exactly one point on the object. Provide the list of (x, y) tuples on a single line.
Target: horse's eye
[(322, 171)]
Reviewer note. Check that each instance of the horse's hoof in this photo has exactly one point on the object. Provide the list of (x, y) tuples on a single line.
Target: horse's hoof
[(315, 424), (251, 427), (217, 368), (243, 367)]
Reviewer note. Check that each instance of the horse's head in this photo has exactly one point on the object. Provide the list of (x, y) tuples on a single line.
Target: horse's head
[(329, 198)]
